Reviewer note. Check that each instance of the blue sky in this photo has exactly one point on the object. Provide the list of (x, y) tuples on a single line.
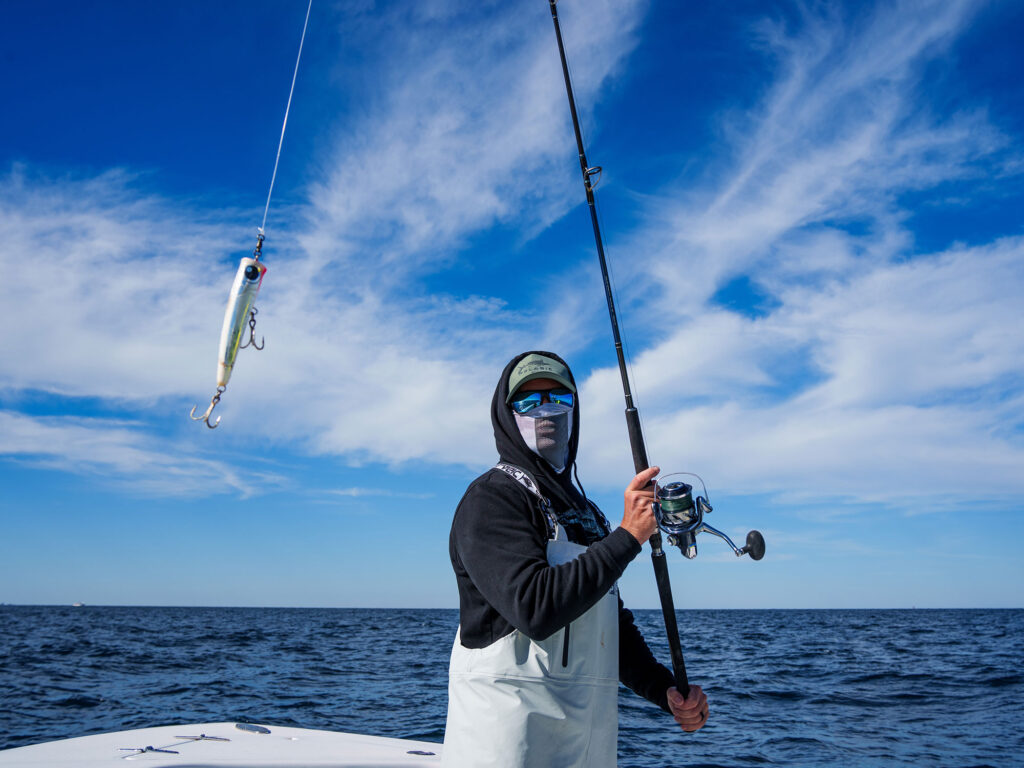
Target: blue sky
[(812, 214)]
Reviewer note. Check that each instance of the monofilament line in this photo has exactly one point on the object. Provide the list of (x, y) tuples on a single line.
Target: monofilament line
[(284, 124)]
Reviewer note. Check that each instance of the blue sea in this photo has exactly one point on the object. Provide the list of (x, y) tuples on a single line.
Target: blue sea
[(792, 688)]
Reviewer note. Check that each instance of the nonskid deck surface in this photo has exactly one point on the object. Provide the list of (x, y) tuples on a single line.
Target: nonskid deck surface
[(227, 745)]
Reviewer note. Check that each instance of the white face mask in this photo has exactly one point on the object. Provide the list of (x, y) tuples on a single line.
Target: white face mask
[(546, 430)]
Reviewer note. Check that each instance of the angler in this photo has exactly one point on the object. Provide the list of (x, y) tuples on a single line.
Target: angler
[(544, 638)]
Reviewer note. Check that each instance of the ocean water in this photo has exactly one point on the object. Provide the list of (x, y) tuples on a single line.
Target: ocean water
[(792, 688)]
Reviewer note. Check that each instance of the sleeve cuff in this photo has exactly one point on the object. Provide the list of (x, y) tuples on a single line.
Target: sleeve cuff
[(623, 546), (665, 680)]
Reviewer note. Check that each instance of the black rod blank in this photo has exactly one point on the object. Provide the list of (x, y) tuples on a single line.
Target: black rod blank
[(636, 438)]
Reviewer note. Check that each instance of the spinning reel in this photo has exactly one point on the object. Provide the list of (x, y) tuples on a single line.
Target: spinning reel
[(681, 517)]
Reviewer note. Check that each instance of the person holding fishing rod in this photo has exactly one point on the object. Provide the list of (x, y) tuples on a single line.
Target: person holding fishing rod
[(544, 638)]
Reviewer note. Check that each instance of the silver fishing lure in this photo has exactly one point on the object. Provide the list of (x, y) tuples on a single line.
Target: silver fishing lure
[(239, 311), (248, 278)]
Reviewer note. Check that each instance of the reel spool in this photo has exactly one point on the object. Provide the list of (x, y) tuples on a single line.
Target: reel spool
[(681, 517)]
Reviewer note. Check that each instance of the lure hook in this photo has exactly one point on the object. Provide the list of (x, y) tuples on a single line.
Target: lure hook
[(213, 404), (252, 332)]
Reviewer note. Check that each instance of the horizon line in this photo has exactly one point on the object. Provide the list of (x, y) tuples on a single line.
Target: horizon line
[(420, 608)]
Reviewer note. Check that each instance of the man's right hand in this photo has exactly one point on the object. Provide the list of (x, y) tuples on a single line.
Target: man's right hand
[(638, 516), (692, 712)]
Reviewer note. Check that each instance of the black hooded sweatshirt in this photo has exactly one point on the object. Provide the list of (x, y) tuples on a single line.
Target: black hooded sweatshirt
[(498, 549)]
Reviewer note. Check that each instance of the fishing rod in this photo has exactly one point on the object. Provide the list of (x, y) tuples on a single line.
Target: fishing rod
[(248, 279), (677, 513)]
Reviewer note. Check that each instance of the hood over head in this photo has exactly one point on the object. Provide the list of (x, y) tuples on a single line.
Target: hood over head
[(512, 448)]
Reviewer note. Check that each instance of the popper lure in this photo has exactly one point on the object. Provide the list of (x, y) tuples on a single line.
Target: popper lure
[(248, 279), (240, 310)]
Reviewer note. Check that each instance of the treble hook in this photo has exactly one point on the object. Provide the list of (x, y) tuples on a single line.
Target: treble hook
[(252, 332), (213, 404)]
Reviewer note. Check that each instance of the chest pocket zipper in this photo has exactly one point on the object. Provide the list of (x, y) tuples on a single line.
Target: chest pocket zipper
[(565, 647)]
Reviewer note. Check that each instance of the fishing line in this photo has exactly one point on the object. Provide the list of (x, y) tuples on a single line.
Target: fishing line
[(284, 123), (240, 308), (627, 352), (581, 119), (609, 263)]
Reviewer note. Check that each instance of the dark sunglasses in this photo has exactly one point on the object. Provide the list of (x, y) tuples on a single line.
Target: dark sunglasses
[(530, 400)]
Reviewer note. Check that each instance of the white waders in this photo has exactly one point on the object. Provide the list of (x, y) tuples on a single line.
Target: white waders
[(551, 703)]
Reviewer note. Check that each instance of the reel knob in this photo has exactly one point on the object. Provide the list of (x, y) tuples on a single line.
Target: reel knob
[(755, 545)]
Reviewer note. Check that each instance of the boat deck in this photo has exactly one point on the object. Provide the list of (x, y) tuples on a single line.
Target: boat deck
[(227, 745)]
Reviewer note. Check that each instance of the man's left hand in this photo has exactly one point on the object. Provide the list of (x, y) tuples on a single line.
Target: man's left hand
[(692, 712)]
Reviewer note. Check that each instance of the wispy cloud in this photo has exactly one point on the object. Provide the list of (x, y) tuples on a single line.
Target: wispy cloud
[(459, 141), (462, 138), (843, 131), (880, 373), (105, 285), (117, 293), (357, 492), (121, 452), (876, 373)]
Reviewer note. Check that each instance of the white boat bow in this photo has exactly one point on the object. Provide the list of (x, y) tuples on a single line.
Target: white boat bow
[(227, 745)]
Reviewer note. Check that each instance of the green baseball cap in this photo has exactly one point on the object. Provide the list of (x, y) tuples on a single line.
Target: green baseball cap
[(538, 367)]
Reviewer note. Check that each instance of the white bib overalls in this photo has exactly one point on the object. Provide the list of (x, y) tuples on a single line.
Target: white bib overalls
[(552, 703)]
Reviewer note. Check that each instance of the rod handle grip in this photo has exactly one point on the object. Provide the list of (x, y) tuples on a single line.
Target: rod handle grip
[(636, 440), (669, 613)]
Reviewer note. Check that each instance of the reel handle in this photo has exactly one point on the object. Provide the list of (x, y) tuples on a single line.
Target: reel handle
[(754, 546)]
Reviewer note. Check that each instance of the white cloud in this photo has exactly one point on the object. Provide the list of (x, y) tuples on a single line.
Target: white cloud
[(358, 492), (841, 132), (121, 451), (464, 136), (881, 374), (460, 141), (104, 287), (116, 293)]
